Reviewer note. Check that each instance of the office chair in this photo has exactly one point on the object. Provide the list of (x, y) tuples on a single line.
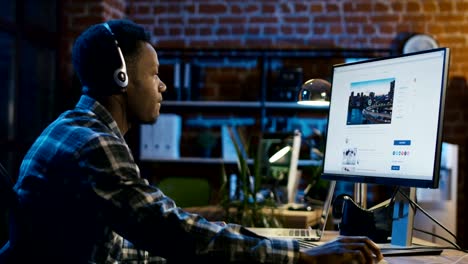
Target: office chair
[(8, 201)]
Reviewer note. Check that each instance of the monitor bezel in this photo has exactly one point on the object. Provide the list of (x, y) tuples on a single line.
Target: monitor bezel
[(434, 182)]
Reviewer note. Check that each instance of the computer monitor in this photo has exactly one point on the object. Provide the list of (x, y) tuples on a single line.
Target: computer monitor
[(385, 126), (385, 120)]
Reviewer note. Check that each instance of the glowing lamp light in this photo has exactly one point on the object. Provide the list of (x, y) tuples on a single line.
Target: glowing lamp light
[(315, 92), (278, 155)]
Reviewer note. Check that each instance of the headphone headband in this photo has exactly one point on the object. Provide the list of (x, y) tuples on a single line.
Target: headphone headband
[(120, 74)]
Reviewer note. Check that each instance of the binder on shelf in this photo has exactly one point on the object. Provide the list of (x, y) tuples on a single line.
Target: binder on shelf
[(162, 139), (177, 77), (229, 138), (172, 78), (187, 81), (190, 82)]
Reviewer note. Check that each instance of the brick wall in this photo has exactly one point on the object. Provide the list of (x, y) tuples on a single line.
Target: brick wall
[(285, 23), (301, 24)]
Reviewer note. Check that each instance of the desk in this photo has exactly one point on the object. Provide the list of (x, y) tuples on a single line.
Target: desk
[(302, 218), (289, 218), (448, 255)]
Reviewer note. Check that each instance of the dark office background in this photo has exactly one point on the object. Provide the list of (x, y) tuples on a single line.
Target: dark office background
[(37, 80)]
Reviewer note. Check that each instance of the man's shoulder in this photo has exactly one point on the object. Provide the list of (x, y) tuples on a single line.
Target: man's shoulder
[(76, 128), (81, 120)]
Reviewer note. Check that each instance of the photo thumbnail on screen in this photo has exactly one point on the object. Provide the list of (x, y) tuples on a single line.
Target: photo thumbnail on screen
[(371, 102)]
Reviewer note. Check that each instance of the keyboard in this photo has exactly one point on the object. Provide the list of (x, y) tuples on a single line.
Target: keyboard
[(290, 232), (388, 249), (298, 232), (285, 232)]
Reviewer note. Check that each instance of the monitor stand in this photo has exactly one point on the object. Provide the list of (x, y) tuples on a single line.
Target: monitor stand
[(403, 218), (360, 194)]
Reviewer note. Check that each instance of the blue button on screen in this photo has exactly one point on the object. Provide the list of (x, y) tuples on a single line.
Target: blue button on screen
[(395, 167), (402, 142)]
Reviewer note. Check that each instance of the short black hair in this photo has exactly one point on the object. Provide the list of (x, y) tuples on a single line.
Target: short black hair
[(95, 56)]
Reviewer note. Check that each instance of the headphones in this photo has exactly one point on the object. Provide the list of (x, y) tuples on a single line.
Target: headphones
[(120, 74)]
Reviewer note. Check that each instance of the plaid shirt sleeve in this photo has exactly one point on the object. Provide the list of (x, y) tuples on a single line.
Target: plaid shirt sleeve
[(143, 215)]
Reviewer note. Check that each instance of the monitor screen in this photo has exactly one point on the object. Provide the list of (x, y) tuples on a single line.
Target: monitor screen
[(385, 120)]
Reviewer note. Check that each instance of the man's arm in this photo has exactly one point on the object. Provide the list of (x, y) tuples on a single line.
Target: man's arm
[(144, 215)]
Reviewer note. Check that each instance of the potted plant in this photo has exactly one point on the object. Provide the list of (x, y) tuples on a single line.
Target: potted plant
[(247, 210)]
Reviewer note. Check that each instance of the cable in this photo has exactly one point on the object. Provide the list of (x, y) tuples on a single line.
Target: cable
[(5, 174), (5, 177), (428, 215), (438, 236), (9, 197), (395, 191)]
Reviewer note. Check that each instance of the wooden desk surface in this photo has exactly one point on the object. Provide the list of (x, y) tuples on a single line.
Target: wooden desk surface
[(448, 255), (301, 218)]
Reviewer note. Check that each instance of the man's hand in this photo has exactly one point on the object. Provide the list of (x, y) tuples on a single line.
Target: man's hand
[(343, 250)]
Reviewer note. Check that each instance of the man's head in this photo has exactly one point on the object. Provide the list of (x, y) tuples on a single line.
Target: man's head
[(96, 57)]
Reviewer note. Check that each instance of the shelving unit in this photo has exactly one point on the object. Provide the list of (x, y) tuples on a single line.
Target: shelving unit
[(243, 104), (222, 161), (177, 106), (189, 97), (262, 64)]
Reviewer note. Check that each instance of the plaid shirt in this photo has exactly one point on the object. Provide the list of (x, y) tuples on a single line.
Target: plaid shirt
[(82, 200)]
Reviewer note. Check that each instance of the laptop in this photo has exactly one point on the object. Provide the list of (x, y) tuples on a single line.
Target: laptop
[(309, 234)]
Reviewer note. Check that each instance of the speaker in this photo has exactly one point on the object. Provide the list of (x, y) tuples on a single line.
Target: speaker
[(375, 223), (120, 74)]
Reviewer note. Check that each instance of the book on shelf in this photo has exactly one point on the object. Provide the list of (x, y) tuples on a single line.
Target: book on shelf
[(161, 139)]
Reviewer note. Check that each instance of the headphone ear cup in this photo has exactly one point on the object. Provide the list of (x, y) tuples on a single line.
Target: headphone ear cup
[(121, 78)]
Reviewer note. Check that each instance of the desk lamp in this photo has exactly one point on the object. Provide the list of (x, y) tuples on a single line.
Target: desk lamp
[(279, 154), (315, 92)]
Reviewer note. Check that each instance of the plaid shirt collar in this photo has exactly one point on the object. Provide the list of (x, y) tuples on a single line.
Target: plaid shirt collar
[(90, 104)]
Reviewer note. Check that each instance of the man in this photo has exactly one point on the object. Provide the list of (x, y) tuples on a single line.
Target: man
[(80, 195)]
